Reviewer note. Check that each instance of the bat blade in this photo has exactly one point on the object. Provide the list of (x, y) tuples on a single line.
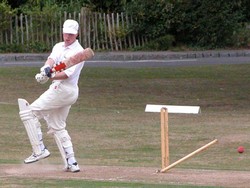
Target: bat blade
[(83, 55)]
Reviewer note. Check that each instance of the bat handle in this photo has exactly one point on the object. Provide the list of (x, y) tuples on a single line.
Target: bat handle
[(59, 67)]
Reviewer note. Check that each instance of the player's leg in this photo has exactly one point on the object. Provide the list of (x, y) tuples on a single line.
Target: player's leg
[(61, 149), (55, 104), (33, 129), (57, 124), (65, 146)]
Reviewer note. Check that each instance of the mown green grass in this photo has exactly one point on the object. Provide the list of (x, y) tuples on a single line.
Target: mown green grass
[(108, 124), (51, 183)]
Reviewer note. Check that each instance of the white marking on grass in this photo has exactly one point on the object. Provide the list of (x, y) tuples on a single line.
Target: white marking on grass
[(7, 103)]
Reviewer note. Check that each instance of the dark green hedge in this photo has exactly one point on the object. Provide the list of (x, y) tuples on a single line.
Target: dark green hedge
[(200, 23)]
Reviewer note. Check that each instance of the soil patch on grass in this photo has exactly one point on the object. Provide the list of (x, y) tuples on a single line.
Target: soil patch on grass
[(132, 174)]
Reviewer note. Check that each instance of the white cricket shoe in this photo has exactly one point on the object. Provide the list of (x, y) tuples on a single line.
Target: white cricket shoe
[(72, 168), (34, 158)]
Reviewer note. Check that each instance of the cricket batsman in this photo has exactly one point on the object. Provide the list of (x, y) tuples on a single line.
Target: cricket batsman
[(55, 103)]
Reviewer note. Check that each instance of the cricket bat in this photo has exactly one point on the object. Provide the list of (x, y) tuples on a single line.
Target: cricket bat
[(83, 55)]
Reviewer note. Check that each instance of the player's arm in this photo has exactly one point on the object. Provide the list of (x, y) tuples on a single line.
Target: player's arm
[(59, 76), (49, 63), (71, 61), (42, 77)]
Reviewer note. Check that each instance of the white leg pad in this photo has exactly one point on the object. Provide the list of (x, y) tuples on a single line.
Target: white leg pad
[(62, 152), (29, 121), (63, 141)]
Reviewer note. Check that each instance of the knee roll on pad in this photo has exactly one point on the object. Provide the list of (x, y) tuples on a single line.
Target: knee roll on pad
[(64, 138), (64, 143), (26, 115)]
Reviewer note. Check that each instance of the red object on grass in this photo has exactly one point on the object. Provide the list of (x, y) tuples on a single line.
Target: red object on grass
[(241, 149)]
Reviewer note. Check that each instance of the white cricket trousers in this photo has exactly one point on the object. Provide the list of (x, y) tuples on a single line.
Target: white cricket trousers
[(54, 104)]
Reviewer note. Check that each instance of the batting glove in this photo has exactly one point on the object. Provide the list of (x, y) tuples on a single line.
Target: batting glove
[(42, 79), (42, 69)]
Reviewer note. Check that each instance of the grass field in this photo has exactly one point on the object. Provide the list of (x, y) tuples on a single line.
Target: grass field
[(109, 127)]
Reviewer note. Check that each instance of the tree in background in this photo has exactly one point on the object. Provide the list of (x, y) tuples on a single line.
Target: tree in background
[(191, 23), (245, 5), (64, 5), (6, 12), (151, 18), (17, 3), (200, 23), (206, 23), (106, 6)]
